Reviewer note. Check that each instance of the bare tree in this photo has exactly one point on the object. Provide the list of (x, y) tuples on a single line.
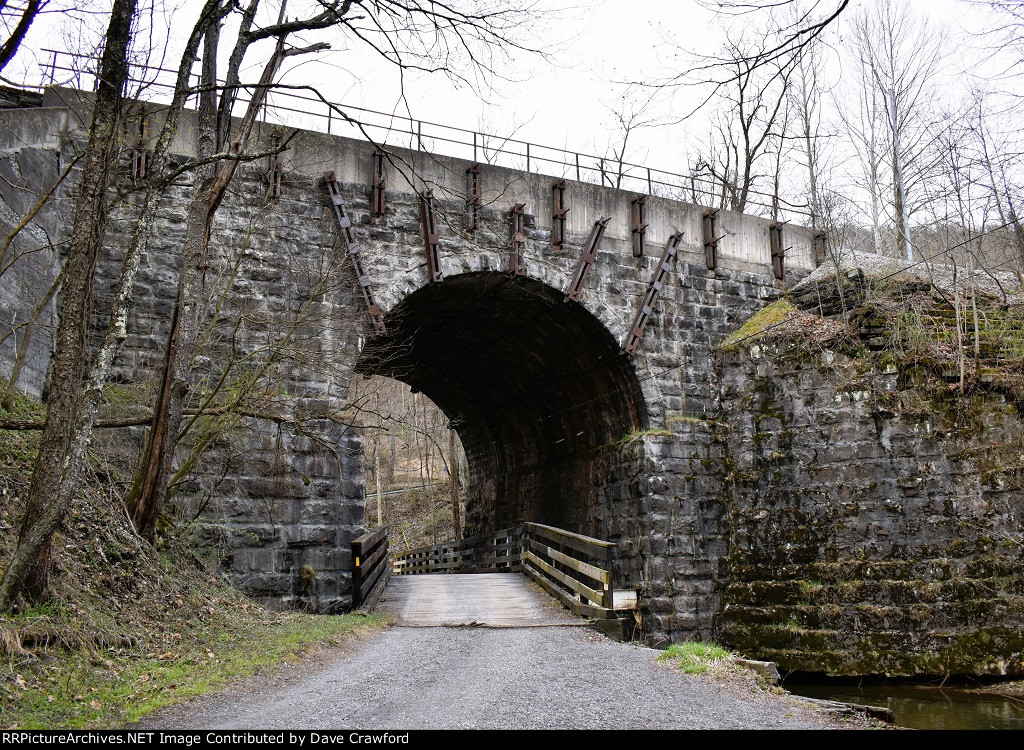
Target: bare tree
[(792, 26), (807, 91), (1001, 165), (17, 19), (749, 126), (862, 117), (57, 463), (630, 114), (1004, 38), (901, 57), (217, 136)]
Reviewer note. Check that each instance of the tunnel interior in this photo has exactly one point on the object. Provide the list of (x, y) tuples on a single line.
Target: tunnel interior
[(536, 388)]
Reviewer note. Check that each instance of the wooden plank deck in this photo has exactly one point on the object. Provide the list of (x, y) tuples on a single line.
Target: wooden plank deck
[(472, 600)]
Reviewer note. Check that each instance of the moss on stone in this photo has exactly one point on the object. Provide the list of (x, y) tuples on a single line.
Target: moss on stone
[(767, 317)]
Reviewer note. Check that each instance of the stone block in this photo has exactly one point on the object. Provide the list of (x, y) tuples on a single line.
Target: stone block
[(310, 536)]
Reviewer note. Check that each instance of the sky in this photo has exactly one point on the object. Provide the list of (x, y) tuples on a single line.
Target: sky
[(566, 103), (564, 100)]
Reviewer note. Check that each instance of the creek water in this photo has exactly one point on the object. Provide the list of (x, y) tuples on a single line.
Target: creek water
[(927, 707)]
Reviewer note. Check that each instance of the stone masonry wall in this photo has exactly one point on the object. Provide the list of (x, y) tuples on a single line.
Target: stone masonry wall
[(279, 499), (272, 255), (273, 495), (873, 524)]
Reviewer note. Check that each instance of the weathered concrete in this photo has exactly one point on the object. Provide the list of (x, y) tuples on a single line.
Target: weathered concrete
[(31, 163)]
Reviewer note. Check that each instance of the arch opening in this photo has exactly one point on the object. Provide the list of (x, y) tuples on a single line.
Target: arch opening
[(535, 387)]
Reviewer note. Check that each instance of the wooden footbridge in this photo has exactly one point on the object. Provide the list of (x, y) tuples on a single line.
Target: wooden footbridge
[(495, 580)]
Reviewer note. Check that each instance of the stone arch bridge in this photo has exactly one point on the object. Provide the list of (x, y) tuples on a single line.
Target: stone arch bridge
[(569, 332)]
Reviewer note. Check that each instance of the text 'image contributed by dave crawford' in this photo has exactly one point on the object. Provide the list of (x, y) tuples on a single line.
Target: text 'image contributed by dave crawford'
[(188, 739)]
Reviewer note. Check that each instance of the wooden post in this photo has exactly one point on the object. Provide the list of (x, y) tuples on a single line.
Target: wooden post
[(609, 595), (357, 573)]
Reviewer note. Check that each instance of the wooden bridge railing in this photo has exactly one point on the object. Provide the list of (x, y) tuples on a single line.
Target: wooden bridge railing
[(575, 569), (488, 553), (370, 570)]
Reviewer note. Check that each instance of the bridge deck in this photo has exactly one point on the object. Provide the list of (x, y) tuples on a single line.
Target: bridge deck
[(472, 599)]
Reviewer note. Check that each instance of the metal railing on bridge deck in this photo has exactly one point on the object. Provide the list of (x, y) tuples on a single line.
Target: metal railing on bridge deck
[(302, 106), (575, 569)]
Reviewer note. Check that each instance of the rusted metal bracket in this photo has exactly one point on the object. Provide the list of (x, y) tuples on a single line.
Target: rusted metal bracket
[(587, 258), (516, 261), (275, 168), (778, 251), (558, 213), (643, 314), (473, 197), (140, 154), (430, 237), (378, 199), (711, 238), (345, 225), (638, 212)]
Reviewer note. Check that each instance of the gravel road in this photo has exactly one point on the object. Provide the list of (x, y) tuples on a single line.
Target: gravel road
[(494, 678)]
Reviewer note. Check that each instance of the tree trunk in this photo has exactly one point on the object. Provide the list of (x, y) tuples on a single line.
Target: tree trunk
[(380, 494), (10, 47), (185, 321), (46, 505), (902, 210), (392, 456), (186, 325)]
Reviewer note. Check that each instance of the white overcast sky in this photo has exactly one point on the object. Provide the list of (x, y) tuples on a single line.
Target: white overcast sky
[(564, 103)]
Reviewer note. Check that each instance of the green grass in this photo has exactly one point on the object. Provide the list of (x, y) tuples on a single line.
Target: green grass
[(128, 629), (114, 687), (640, 434), (18, 447), (695, 657), (682, 419)]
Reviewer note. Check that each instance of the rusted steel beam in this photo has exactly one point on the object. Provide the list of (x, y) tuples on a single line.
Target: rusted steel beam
[(643, 314), (344, 223), (516, 260), (778, 250), (378, 185), (638, 213), (275, 167), (820, 248), (140, 152), (587, 258), (558, 214), (711, 238), (473, 197), (430, 240)]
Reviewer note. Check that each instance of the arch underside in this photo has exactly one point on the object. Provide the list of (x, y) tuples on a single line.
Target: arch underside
[(534, 386)]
